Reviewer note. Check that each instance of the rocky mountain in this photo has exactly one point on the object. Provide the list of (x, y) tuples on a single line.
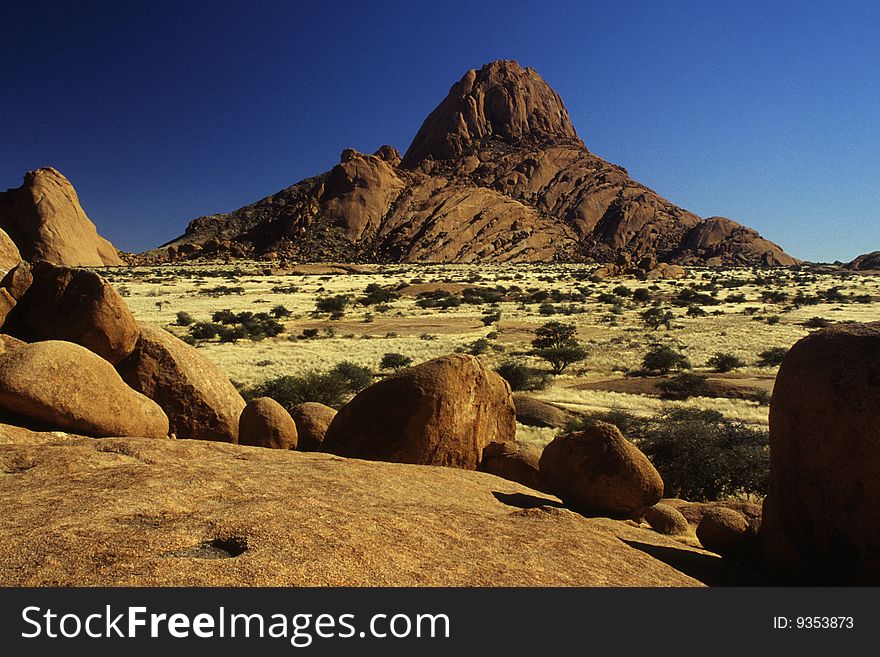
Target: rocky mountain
[(865, 262), (45, 221), (496, 173)]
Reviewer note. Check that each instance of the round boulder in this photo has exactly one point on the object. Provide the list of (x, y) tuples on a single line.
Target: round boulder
[(198, 398), (513, 461), (312, 420), (74, 305), (443, 412), (725, 532), (825, 452), (599, 472), (665, 519), (61, 385), (265, 423)]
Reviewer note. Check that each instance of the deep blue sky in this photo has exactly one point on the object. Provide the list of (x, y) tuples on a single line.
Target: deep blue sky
[(765, 112)]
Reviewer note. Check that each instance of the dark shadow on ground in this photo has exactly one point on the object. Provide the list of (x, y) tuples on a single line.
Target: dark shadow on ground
[(708, 569), (524, 501)]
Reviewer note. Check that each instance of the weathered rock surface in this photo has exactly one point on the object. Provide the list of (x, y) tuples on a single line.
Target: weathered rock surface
[(198, 398), (598, 471), (64, 386), (825, 452), (18, 279), (536, 413), (666, 519), (442, 412), (514, 461), (496, 173), (45, 220), (312, 420), (7, 303), (9, 255), (76, 305), (265, 423), (134, 512)]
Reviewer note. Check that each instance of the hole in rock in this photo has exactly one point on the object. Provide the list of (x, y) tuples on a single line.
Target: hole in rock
[(218, 548)]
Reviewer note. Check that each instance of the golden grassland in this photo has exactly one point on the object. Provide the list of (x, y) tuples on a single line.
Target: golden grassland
[(614, 333)]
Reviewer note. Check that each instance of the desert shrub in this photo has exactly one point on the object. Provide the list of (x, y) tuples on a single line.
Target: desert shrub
[(696, 311), (376, 294), (522, 377), (683, 386), (663, 359), (335, 305), (395, 361), (479, 347), (204, 330), (657, 316), (702, 455), (622, 291), (328, 388), (772, 357), (279, 311), (184, 318), (773, 296), (556, 343), (817, 322), (629, 423), (722, 362), (642, 295), (309, 333), (737, 297), (356, 377), (490, 318)]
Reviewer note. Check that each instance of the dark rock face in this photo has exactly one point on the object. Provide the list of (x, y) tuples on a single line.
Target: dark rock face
[(497, 173), (825, 455), (866, 262)]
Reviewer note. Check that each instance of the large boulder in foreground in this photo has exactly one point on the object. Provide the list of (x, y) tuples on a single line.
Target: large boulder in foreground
[(825, 453), (599, 472), (155, 512), (443, 412), (198, 398), (536, 413), (265, 423), (45, 220), (62, 385), (75, 305), (312, 420)]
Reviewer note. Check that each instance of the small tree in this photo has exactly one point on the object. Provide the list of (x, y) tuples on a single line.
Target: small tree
[(663, 359), (357, 377), (395, 361), (772, 357), (522, 377), (556, 343), (184, 318)]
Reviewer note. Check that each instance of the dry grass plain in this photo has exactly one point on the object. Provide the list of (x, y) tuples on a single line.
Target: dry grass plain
[(745, 315)]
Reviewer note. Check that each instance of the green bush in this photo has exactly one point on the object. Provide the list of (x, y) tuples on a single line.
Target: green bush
[(184, 318), (356, 377), (722, 362), (772, 357), (522, 377), (323, 387), (664, 359), (657, 316), (395, 361), (683, 386)]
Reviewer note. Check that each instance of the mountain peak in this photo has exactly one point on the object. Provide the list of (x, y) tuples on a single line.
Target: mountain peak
[(502, 100)]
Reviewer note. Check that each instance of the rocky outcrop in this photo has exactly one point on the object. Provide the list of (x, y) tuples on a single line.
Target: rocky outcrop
[(265, 423), (134, 512), (866, 262), (76, 305), (198, 398), (312, 420), (442, 412), (17, 280), (599, 472), (61, 385), (496, 173), (825, 454), (45, 220)]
